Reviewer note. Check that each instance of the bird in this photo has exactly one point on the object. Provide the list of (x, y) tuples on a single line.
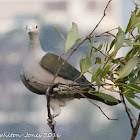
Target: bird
[(39, 68)]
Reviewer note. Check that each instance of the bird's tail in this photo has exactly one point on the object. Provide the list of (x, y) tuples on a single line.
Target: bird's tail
[(94, 97), (97, 98)]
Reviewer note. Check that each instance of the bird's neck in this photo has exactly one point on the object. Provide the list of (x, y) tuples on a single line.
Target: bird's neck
[(34, 42)]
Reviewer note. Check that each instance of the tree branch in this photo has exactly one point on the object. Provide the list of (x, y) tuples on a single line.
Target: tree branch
[(135, 130), (107, 32), (101, 18), (50, 118), (127, 111)]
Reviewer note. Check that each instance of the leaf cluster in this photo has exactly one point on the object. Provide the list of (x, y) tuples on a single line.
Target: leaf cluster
[(116, 74)]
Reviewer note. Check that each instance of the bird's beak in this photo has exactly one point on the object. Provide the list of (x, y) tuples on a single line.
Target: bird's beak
[(28, 29)]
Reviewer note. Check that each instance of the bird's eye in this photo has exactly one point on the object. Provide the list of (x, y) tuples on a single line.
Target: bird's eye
[(36, 26)]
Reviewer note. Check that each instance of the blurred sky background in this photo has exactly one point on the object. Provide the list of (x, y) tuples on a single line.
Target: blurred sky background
[(22, 111)]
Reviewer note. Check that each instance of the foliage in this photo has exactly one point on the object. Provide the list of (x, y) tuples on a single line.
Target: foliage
[(71, 37), (119, 75), (122, 74)]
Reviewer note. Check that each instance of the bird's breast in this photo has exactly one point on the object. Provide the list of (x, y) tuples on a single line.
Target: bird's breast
[(34, 72)]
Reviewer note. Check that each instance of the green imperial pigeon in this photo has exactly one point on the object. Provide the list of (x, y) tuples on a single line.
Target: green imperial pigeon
[(39, 69)]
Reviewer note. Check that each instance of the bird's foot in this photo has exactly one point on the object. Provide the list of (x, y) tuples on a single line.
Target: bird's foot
[(48, 93), (50, 90), (51, 122)]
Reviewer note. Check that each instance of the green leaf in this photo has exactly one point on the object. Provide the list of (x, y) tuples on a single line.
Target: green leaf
[(133, 43), (119, 40), (59, 32), (85, 64), (106, 69), (112, 44), (94, 40), (134, 87), (106, 47), (133, 102), (79, 39), (95, 74), (133, 22), (130, 25), (71, 37), (138, 75), (139, 30), (91, 50), (127, 41), (137, 97), (129, 94), (98, 60), (106, 97), (131, 53), (130, 86), (98, 83), (100, 47), (128, 67)]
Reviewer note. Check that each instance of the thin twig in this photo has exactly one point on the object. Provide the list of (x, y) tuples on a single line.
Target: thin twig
[(101, 18), (132, 34), (127, 111), (135, 130), (77, 78), (110, 90), (107, 35), (133, 116), (98, 108), (107, 32), (106, 62), (50, 118), (97, 49), (109, 58)]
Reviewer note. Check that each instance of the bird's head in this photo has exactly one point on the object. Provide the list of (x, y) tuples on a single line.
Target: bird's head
[(32, 29)]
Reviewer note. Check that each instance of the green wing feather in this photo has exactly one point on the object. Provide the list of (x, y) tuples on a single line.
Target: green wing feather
[(52, 63)]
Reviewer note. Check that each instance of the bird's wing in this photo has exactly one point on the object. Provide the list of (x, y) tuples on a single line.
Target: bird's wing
[(52, 63), (34, 87)]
